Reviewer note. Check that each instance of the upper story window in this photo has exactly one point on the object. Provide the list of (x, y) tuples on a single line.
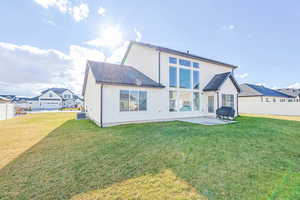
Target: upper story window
[(185, 78), (50, 94), (67, 96), (196, 81), (172, 77), (172, 60), (184, 62), (195, 65), (133, 100)]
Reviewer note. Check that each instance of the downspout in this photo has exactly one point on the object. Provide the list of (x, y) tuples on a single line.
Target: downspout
[(237, 104), (101, 107), (218, 104), (159, 52)]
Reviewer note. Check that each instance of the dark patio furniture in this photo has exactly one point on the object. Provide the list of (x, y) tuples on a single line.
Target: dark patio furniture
[(225, 112)]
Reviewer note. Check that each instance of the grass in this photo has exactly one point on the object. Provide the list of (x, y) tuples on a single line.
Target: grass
[(256, 158), (164, 185), (19, 134), (283, 117)]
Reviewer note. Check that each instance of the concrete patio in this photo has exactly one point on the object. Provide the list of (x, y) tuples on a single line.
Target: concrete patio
[(206, 121)]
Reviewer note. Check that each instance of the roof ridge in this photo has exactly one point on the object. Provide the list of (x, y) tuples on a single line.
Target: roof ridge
[(179, 52)]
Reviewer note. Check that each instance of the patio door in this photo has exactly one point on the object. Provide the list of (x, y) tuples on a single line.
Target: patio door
[(211, 104)]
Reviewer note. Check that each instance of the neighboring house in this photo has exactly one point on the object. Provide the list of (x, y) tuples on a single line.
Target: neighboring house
[(292, 92), (255, 99), (9, 97), (155, 83), (7, 109), (50, 99)]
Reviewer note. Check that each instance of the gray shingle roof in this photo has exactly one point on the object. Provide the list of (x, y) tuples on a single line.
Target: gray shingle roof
[(257, 90), (56, 90), (290, 91), (217, 81), (176, 52), (115, 74)]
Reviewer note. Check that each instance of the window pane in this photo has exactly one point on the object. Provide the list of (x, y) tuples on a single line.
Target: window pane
[(173, 77), (196, 79), (172, 60), (172, 101), (185, 78), (124, 100), (228, 100), (195, 65), (185, 62), (133, 101), (185, 101), (196, 101), (143, 101)]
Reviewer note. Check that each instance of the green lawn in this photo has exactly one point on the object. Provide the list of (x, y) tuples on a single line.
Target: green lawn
[(255, 158)]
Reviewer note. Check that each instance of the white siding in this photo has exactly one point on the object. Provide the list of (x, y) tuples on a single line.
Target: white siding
[(254, 105), (157, 107), (7, 111), (144, 59), (92, 98)]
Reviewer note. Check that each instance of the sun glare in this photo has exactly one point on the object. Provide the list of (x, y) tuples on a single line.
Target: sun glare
[(112, 37)]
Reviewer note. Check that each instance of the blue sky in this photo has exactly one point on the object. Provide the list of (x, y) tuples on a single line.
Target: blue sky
[(44, 43)]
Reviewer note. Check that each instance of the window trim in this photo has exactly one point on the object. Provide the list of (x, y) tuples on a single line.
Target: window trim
[(138, 100)]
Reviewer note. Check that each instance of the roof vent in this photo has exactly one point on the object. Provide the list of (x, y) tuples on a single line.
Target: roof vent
[(188, 51)]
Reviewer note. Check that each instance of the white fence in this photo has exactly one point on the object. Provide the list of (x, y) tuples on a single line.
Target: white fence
[(7, 111), (274, 108)]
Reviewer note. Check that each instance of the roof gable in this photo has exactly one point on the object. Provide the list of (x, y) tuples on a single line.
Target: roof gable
[(217, 81)]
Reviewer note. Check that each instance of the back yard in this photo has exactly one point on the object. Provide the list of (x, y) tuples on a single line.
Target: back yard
[(256, 158)]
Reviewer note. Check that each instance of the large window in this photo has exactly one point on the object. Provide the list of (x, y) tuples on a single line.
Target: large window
[(186, 63), (124, 100), (228, 100), (196, 101), (172, 60), (133, 100), (185, 101), (143, 101), (173, 76), (185, 78), (196, 79), (172, 101)]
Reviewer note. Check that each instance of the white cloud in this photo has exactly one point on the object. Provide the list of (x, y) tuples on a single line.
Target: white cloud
[(101, 11), (295, 86), (138, 35), (80, 12), (242, 76), (26, 70), (62, 5), (118, 54), (111, 37)]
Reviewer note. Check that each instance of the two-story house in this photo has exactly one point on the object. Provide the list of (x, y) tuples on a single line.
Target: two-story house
[(53, 99), (154, 83)]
